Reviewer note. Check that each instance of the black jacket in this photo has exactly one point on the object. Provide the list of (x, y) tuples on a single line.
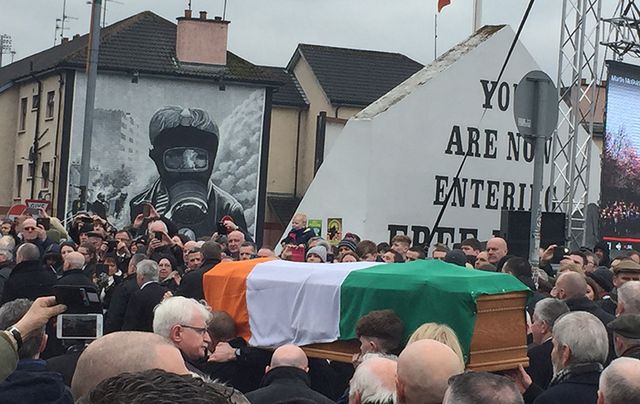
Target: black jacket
[(139, 315), (65, 364), (584, 304), (191, 284), (75, 277), (283, 383), (5, 271), (119, 302), (578, 388), (540, 367), (633, 352), (31, 383), (28, 280)]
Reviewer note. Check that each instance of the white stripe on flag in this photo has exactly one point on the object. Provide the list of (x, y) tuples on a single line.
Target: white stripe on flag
[(298, 303)]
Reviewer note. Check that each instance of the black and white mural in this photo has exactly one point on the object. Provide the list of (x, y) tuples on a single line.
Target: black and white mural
[(190, 149)]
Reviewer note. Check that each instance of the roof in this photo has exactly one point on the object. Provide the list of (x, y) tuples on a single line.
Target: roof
[(355, 77), (290, 94), (145, 43)]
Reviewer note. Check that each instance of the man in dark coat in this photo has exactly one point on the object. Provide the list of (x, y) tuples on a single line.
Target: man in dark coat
[(121, 296), (28, 279), (626, 335), (580, 350), (546, 312), (286, 378), (31, 382), (72, 271), (191, 284), (139, 314)]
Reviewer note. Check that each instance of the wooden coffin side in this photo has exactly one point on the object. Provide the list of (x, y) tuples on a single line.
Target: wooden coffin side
[(499, 339)]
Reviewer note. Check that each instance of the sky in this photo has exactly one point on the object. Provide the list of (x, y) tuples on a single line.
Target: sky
[(266, 32)]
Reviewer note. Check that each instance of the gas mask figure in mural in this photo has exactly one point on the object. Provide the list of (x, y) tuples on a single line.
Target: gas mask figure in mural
[(184, 145)]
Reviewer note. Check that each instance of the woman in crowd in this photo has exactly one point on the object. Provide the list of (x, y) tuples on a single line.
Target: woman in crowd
[(169, 276)]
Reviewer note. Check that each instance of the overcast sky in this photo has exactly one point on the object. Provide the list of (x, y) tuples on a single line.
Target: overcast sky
[(267, 31)]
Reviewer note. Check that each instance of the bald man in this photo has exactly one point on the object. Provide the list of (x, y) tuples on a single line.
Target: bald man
[(72, 273), (572, 288), (286, 377), (620, 382), (234, 241), (121, 352), (496, 249), (374, 381), (424, 368)]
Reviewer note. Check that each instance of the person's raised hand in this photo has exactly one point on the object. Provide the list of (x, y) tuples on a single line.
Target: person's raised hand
[(520, 377), (547, 255), (42, 309), (223, 353), (137, 222)]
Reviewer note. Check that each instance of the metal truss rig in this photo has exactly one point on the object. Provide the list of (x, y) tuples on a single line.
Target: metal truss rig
[(577, 91), (624, 30)]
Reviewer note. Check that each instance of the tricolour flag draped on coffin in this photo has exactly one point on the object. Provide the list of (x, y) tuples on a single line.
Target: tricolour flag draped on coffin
[(275, 302)]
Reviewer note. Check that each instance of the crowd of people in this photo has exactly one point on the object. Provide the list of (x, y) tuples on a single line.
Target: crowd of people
[(162, 342), (620, 218)]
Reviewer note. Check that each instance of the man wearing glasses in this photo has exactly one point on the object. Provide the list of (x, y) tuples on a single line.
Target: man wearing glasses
[(184, 322), (32, 233)]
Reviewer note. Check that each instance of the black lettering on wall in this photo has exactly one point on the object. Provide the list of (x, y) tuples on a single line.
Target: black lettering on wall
[(476, 185), (395, 229), (473, 148), (490, 148), (459, 191), (503, 96), (441, 189), (455, 139), (509, 188), (488, 88), (420, 235), (466, 233), (492, 190)]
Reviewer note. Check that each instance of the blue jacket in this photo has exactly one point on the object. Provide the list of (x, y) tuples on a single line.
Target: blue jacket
[(31, 383)]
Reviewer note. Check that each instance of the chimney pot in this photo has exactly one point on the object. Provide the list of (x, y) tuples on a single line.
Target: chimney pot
[(203, 15), (65, 39), (76, 36), (217, 18), (187, 13)]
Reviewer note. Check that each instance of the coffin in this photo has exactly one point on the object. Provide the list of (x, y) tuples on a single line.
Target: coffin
[(316, 306), (498, 343)]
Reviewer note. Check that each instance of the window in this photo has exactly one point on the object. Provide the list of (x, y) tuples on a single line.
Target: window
[(51, 99), (19, 179), (46, 167), (35, 102), (22, 123)]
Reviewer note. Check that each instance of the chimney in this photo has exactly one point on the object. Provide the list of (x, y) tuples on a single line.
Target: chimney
[(201, 40), (76, 36), (65, 39)]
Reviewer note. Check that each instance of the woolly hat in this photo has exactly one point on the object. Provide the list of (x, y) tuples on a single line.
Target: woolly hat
[(350, 244), (603, 277), (320, 251)]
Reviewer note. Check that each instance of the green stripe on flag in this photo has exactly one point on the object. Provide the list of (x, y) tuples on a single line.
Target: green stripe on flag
[(421, 292)]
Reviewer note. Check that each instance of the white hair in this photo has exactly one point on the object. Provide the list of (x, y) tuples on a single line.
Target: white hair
[(7, 243), (149, 270), (585, 335), (629, 296), (368, 384), (8, 254), (175, 311), (549, 310), (618, 383)]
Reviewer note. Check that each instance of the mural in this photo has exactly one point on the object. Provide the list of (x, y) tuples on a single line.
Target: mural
[(190, 149)]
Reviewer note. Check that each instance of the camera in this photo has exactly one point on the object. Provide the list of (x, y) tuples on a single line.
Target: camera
[(79, 326), (222, 229)]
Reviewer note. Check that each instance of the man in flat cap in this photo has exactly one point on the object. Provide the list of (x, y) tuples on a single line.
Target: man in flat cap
[(626, 270), (626, 335), (184, 146)]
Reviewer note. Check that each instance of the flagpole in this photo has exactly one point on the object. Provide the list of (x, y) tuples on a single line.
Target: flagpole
[(435, 38), (477, 15)]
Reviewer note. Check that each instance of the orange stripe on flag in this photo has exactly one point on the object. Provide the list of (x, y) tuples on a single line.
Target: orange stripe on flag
[(225, 289), (442, 3)]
